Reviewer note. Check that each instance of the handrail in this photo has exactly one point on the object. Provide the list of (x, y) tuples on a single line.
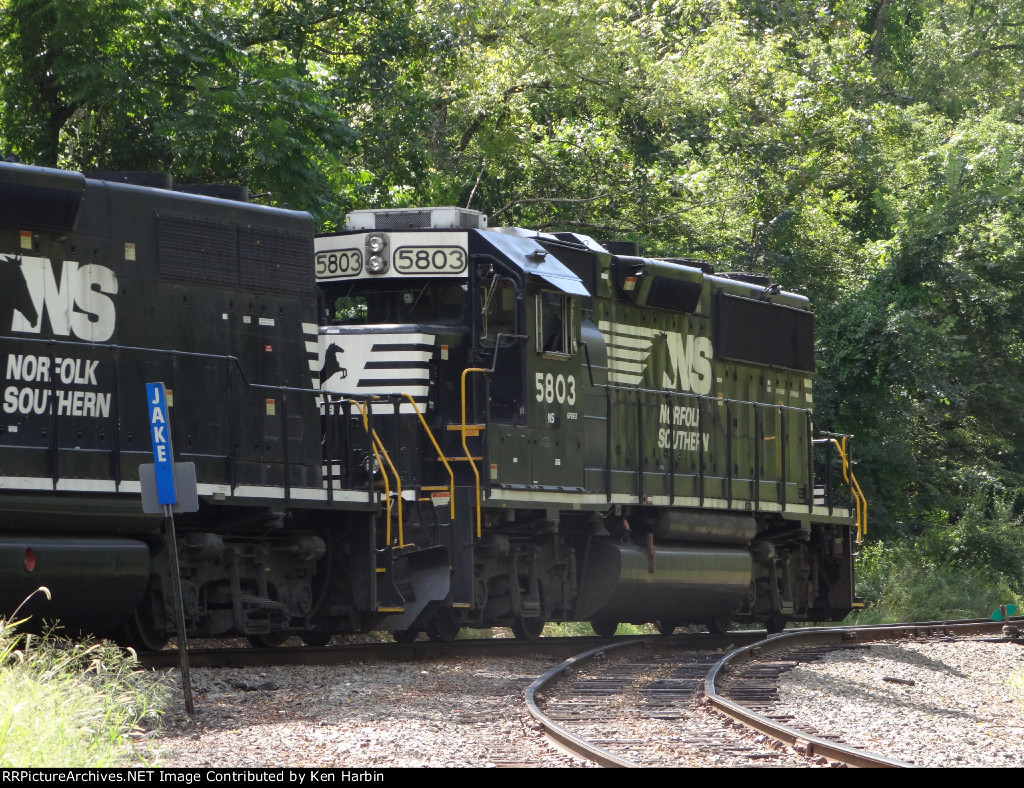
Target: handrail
[(783, 439), (860, 502), (440, 454), (233, 367), (465, 447), (376, 442)]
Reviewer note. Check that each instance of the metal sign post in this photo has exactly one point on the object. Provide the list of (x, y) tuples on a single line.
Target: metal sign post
[(163, 457)]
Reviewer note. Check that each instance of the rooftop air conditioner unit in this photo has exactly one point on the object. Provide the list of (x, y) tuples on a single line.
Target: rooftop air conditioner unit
[(416, 219)]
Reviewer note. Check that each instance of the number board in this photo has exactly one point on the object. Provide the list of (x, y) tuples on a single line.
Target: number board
[(338, 263), (418, 260), (434, 260)]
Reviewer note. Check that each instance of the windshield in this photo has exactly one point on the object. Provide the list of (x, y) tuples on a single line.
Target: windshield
[(429, 301)]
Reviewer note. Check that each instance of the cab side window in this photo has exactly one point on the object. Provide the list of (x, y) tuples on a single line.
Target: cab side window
[(497, 309), (555, 324)]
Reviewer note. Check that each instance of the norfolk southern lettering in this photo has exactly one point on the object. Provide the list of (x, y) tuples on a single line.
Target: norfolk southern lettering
[(32, 380)]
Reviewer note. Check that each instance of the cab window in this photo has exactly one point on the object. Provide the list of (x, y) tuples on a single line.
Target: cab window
[(433, 302), (497, 296), (349, 309), (555, 318), (422, 302)]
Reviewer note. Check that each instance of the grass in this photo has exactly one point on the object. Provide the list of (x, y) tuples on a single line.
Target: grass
[(65, 703), (956, 566), (583, 629)]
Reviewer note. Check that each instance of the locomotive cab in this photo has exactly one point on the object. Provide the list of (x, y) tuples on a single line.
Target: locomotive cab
[(455, 342)]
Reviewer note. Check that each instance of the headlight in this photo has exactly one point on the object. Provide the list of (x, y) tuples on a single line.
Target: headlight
[(376, 253)]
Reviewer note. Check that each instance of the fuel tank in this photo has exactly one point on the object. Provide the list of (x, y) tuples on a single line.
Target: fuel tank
[(96, 583), (706, 527), (626, 583)]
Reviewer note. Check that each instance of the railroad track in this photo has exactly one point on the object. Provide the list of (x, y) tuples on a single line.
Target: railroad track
[(560, 648), (645, 703)]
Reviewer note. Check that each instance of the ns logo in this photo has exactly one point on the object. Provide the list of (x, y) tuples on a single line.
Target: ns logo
[(685, 363), (76, 300)]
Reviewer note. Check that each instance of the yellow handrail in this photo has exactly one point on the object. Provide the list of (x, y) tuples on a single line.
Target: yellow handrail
[(465, 448), (375, 443), (440, 454), (860, 502)]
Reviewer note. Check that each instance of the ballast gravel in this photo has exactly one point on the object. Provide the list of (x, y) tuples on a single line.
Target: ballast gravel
[(931, 704), (934, 704), (457, 713)]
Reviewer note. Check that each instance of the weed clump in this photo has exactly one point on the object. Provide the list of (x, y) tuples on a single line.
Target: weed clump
[(69, 703)]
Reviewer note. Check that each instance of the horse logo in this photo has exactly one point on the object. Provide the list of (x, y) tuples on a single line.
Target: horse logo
[(332, 364), (14, 294)]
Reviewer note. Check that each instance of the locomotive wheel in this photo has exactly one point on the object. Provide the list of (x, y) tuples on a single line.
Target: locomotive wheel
[(316, 639), (444, 628), (527, 628), (718, 626), (140, 635), (271, 640), (665, 627), (775, 623), (604, 629), (405, 635)]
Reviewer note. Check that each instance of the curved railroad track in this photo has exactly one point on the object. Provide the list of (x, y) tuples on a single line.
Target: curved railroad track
[(644, 703), (555, 647)]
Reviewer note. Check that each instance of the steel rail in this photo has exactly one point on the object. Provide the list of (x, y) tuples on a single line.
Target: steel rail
[(802, 741), (556, 647), (579, 745), (563, 736)]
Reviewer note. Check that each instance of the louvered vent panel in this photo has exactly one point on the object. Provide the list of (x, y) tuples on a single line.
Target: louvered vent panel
[(37, 207), (276, 262), (402, 220), (197, 250)]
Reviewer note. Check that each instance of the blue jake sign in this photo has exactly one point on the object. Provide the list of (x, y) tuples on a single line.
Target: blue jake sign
[(163, 456), (165, 483), (164, 478)]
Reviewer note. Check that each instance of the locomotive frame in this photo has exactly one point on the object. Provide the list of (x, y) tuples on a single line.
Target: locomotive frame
[(417, 424)]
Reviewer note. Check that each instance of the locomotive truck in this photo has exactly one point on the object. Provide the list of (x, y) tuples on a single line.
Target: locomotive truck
[(416, 424)]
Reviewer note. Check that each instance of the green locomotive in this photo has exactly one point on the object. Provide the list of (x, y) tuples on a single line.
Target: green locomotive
[(618, 439)]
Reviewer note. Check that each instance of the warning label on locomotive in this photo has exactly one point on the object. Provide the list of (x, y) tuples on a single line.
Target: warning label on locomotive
[(35, 384)]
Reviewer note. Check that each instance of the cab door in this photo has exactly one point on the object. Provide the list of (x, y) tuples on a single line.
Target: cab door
[(555, 390), (500, 346)]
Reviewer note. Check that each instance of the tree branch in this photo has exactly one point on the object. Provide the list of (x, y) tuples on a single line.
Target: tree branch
[(876, 37), (571, 200)]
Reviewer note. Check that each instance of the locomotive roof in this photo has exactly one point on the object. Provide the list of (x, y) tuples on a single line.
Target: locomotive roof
[(520, 247), (47, 199)]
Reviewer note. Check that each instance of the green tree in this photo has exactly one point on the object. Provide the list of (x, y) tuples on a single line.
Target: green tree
[(925, 358), (244, 91)]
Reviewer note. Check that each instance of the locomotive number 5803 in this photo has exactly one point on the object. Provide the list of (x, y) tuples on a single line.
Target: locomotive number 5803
[(555, 388), (430, 260)]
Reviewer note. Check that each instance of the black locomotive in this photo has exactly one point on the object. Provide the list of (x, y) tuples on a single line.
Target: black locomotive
[(416, 424)]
